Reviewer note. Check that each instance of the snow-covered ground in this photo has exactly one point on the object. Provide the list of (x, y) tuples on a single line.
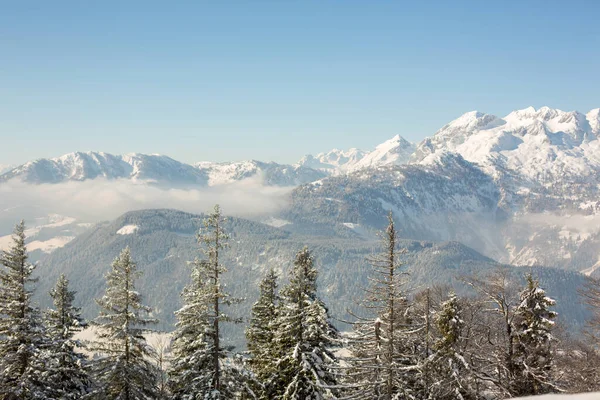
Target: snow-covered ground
[(581, 396), (65, 229), (127, 230)]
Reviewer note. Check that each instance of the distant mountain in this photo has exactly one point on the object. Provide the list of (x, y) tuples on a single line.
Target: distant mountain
[(542, 147), (396, 151), (163, 243), (155, 169), (271, 174), (546, 166), (523, 189), (81, 166), (333, 162), (452, 199)]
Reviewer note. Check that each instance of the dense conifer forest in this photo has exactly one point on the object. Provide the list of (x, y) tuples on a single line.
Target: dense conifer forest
[(500, 341)]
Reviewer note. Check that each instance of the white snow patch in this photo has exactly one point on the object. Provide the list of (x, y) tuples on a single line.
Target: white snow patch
[(579, 396), (128, 230), (48, 246), (276, 222)]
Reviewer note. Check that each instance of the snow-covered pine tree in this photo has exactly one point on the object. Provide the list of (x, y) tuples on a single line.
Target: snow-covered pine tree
[(22, 335), (381, 361), (303, 338), (123, 370), (65, 374), (450, 375), (191, 372), (198, 370), (534, 322), (261, 330)]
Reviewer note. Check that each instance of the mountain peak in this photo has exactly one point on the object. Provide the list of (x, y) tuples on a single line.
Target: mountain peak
[(467, 124), (395, 151), (544, 113), (396, 141)]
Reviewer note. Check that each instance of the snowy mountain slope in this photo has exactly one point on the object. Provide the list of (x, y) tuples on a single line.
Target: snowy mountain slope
[(271, 174), (44, 234), (396, 151), (5, 168), (546, 165), (449, 200)]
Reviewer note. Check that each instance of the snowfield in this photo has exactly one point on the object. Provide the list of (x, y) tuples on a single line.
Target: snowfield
[(580, 396), (128, 230)]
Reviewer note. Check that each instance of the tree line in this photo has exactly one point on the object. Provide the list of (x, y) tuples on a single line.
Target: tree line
[(500, 342)]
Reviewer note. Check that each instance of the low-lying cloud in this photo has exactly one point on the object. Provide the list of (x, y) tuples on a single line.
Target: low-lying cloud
[(573, 222), (100, 199)]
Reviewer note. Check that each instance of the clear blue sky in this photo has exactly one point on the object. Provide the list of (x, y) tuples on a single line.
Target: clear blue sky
[(273, 80)]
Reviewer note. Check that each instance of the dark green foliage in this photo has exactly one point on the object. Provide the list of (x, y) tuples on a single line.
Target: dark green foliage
[(65, 373), (303, 339), (22, 336), (260, 332), (198, 370), (534, 353), (122, 369)]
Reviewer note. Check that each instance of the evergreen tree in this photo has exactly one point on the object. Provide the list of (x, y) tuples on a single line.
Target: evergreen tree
[(123, 370), (261, 330), (198, 370), (534, 322), (191, 372), (65, 374), (303, 338), (451, 377), (22, 335), (382, 353)]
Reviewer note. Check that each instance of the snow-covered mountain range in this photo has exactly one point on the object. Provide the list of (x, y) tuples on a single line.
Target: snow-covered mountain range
[(155, 169), (522, 188), (396, 151), (541, 146)]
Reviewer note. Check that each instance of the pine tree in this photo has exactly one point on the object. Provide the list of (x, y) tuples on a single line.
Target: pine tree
[(261, 330), (191, 372), (22, 335), (65, 374), (198, 370), (123, 370), (451, 377), (534, 322), (303, 338), (382, 355)]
